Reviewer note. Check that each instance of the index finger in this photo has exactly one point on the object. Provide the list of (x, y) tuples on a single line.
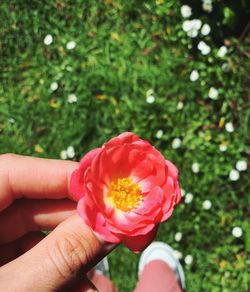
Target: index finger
[(33, 178)]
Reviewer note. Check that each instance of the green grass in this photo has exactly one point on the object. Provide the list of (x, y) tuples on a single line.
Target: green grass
[(123, 49)]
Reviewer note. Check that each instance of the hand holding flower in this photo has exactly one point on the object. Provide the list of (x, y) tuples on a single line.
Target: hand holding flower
[(34, 196)]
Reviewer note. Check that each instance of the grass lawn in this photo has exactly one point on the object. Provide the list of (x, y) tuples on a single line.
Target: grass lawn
[(76, 73)]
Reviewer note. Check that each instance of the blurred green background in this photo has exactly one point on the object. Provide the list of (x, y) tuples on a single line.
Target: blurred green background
[(76, 73)]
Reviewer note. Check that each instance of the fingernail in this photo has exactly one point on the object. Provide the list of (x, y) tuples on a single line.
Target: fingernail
[(107, 245), (99, 237)]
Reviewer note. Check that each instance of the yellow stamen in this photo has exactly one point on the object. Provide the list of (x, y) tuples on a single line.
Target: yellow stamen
[(124, 194)]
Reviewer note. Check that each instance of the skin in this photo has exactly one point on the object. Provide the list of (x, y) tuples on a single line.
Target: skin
[(34, 196)]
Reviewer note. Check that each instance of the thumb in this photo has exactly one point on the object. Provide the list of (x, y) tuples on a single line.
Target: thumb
[(64, 256)]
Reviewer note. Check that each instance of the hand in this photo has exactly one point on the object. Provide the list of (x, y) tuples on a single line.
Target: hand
[(34, 196)]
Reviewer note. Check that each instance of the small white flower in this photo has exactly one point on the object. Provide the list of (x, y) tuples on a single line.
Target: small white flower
[(186, 11), (72, 98), (54, 86), (207, 5), (188, 259), (225, 67), (70, 152), (191, 27), (196, 23), (222, 51), (48, 39), (186, 25), (149, 92), (213, 93), (12, 121), (178, 255), (69, 68), (159, 134), (223, 147), (195, 167), (178, 236), (176, 143), (183, 192), (71, 45), (234, 175), (205, 29), (189, 198), (194, 75), (204, 48), (207, 205), (180, 105), (63, 154), (192, 33), (150, 99), (237, 232), (229, 127), (241, 165)]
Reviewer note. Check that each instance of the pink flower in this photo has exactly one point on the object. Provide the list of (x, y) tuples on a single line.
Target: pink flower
[(125, 189)]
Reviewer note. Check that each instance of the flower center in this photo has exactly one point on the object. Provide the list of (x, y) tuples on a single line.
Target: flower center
[(125, 194)]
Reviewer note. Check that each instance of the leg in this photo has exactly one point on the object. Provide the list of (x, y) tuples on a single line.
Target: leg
[(160, 270), (102, 283), (157, 276)]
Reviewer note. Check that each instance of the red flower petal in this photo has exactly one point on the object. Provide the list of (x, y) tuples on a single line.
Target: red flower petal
[(128, 137), (151, 202), (138, 243), (130, 223), (115, 162), (95, 220), (77, 177), (178, 193), (172, 169), (173, 172), (167, 212), (158, 174), (143, 168)]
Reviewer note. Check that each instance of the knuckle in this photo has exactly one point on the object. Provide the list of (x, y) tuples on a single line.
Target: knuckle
[(69, 254)]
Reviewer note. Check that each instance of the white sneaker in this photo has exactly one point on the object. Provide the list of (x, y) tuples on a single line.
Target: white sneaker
[(102, 268), (161, 251)]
